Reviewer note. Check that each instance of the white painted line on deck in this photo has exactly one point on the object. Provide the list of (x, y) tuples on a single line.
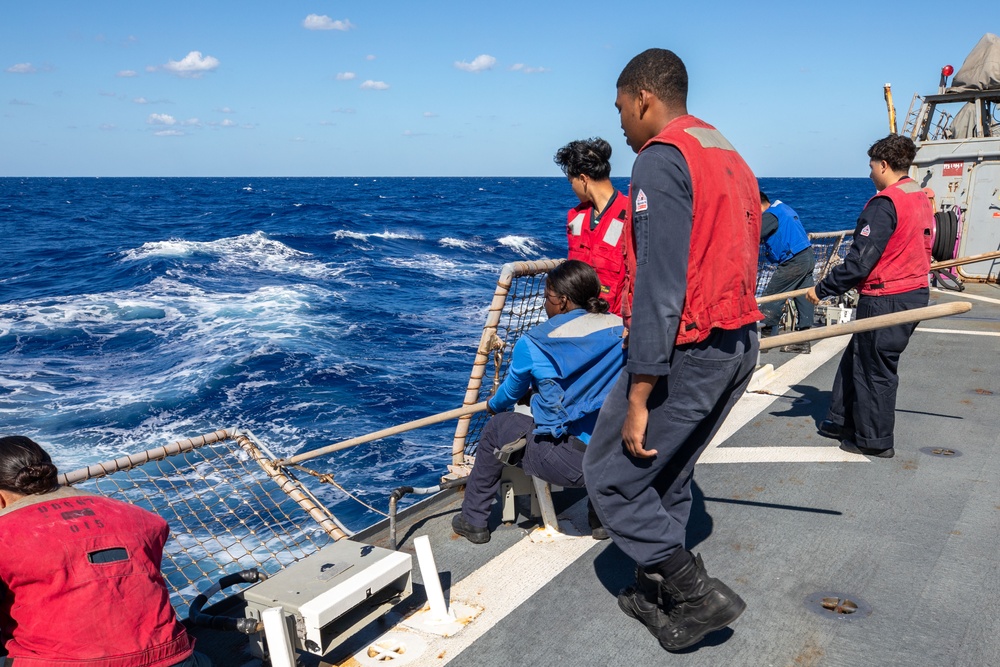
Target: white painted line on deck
[(962, 295), (500, 586), (961, 332), (779, 383)]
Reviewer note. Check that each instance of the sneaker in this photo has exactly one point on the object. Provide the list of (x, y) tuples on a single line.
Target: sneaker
[(470, 532), (797, 348), (850, 446), (829, 429)]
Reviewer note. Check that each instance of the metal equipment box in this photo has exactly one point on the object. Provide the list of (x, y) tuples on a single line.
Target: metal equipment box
[(329, 595)]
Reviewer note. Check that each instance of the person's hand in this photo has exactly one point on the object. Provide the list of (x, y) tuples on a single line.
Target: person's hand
[(625, 339), (634, 431), (811, 296)]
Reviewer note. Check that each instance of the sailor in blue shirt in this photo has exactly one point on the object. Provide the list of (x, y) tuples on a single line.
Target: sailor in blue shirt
[(570, 362), (786, 244)]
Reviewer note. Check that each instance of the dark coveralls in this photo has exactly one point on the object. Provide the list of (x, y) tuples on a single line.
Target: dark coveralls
[(792, 274), (645, 504), (864, 390)]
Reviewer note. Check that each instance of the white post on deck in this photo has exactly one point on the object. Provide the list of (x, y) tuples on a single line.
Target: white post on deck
[(432, 583)]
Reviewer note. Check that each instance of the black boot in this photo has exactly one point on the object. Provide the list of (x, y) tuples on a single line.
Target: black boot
[(597, 529), (641, 601), (702, 604)]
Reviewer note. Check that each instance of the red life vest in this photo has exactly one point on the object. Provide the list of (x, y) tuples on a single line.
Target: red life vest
[(725, 233), (602, 247), (906, 260), (60, 608)]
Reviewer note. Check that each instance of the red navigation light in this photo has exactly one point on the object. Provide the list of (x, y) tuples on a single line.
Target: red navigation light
[(947, 70)]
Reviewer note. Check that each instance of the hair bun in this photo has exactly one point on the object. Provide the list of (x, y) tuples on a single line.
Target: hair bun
[(596, 304), (36, 478)]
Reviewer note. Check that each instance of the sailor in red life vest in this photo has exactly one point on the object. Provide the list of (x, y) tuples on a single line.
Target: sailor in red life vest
[(888, 262), (80, 580), (597, 228), (692, 347)]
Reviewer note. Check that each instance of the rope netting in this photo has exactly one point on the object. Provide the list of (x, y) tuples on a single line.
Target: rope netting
[(227, 510), (518, 304), (830, 249)]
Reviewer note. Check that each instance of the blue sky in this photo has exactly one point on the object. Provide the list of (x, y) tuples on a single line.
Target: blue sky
[(375, 88)]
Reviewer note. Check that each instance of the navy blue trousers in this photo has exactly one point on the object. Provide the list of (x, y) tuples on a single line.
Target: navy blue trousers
[(555, 460), (645, 503), (864, 390)]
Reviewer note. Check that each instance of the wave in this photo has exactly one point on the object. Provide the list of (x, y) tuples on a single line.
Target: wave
[(360, 236), (525, 245), (441, 266), (254, 252), (449, 242)]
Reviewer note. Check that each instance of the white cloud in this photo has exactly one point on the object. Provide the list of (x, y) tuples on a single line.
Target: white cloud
[(193, 65), (370, 57), (521, 67), (108, 126), (192, 122), (430, 114), (478, 64), (345, 76), (169, 133), (344, 110), (225, 110), (324, 22), (141, 100), (22, 68), (161, 119), (227, 123), (374, 85), (125, 73)]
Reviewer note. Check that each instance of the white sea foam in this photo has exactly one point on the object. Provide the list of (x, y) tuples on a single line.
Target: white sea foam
[(360, 236), (253, 252), (440, 266), (449, 242), (525, 245)]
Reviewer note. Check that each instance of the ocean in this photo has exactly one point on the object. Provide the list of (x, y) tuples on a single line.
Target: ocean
[(139, 311)]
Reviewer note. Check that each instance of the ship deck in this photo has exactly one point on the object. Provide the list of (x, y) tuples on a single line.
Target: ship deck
[(781, 514)]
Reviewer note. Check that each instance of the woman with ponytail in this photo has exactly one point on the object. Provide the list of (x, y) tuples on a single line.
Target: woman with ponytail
[(80, 580), (569, 363)]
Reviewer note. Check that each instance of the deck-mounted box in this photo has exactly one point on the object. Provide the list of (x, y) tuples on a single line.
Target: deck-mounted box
[(329, 595)]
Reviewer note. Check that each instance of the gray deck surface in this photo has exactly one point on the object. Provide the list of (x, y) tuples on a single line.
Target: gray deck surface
[(913, 540)]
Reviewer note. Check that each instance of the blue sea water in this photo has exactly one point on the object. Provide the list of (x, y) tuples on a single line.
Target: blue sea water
[(135, 312)]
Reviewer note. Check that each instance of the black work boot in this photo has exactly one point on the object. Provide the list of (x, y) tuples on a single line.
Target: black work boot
[(702, 604), (597, 529), (641, 601)]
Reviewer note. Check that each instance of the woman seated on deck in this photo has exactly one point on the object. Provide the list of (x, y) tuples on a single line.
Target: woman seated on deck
[(80, 580), (571, 362)]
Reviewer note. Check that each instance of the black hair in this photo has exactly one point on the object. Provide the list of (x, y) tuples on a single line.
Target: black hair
[(660, 72), (763, 198), (25, 468), (591, 157), (578, 282), (898, 151)]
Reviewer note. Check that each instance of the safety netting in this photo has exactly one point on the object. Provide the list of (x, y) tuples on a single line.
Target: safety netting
[(228, 509), (830, 249)]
